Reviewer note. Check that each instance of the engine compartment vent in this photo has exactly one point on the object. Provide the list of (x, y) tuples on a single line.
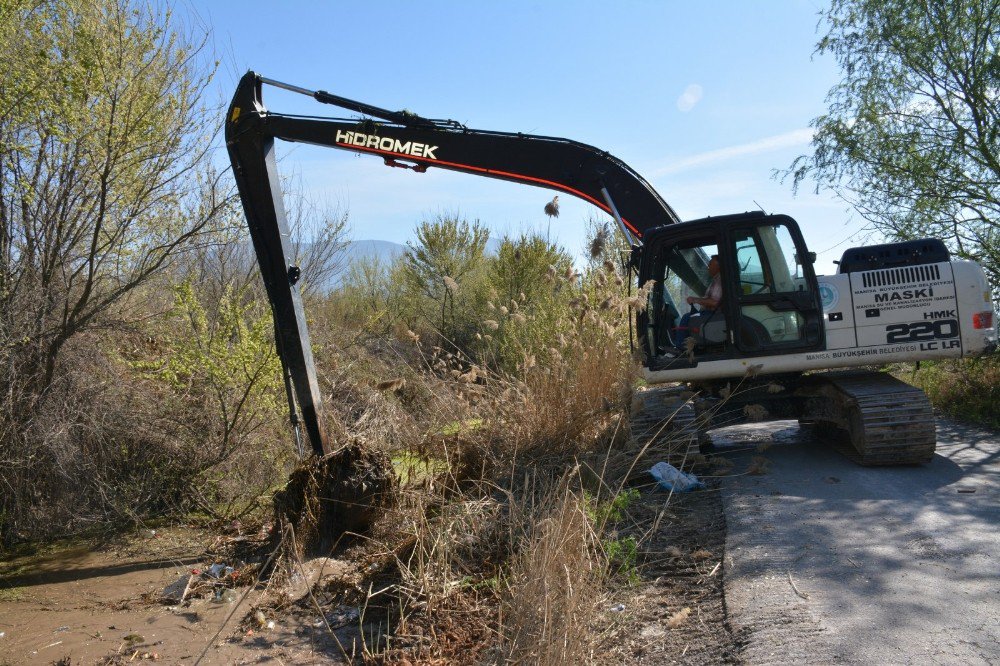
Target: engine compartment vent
[(894, 255), (907, 275)]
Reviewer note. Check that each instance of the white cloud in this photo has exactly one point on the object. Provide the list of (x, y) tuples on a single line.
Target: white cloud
[(799, 137), (690, 97)]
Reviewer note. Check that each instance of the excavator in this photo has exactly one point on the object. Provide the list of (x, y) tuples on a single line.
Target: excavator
[(794, 344)]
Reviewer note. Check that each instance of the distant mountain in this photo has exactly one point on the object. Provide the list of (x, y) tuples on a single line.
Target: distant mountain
[(366, 250), (387, 251)]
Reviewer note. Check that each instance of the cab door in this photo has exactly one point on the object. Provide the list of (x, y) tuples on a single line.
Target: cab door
[(776, 308)]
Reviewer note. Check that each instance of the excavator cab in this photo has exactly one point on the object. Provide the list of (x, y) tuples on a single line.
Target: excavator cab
[(770, 296)]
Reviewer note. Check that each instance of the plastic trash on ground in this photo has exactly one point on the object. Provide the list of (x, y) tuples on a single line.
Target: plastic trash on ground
[(671, 478), (219, 571)]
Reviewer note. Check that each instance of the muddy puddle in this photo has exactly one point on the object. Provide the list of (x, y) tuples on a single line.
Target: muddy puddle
[(94, 603)]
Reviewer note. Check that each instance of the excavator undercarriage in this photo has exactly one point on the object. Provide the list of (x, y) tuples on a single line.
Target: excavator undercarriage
[(870, 417)]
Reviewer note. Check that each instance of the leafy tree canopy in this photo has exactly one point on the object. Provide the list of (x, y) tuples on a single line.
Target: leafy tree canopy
[(442, 270), (912, 135), (521, 267), (104, 174), (446, 247)]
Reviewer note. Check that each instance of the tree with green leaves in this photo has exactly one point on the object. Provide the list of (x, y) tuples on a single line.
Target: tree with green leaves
[(912, 135), (519, 270), (441, 269), (104, 176), (105, 179), (219, 358)]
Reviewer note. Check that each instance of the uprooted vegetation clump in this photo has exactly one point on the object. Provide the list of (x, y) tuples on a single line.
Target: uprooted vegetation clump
[(328, 496)]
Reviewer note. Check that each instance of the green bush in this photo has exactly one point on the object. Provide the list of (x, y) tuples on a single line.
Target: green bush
[(215, 368), (967, 388), (443, 277), (613, 510), (622, 553), (623, 557), (527, 301)]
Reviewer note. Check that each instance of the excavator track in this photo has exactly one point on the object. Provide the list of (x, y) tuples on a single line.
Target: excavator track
[(886, 421)]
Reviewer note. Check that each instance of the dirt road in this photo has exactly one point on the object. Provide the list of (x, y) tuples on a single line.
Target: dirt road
[(829, 562)]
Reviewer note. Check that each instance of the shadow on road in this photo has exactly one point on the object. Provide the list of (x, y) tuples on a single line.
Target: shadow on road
[(890, 562), (817, 465)]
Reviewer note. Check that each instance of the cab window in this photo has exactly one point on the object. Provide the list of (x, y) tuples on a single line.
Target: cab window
[(683, 272), (767, 261), (767, 266)]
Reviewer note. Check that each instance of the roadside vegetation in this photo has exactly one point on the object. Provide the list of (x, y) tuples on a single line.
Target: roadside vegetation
[(139, 380), (501, 396), (967, 389)]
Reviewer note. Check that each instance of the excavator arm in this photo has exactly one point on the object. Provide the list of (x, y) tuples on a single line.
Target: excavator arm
[(401, 139)]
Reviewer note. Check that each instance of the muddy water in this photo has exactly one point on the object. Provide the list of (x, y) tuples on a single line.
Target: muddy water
[(91, 602)]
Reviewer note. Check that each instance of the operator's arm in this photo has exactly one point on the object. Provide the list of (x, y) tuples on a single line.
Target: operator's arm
[(706, 302), (712, 297)]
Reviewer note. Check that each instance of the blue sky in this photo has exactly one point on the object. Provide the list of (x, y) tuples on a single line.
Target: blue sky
[(705, 100)]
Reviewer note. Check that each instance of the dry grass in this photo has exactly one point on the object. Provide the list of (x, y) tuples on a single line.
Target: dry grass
[(679, 618), (487, 552), (103, 449), (551, 593), (509, 578), (495, 558), (560, 409)]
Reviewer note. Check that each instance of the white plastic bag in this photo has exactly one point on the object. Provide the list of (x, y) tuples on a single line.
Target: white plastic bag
[(671, 478)]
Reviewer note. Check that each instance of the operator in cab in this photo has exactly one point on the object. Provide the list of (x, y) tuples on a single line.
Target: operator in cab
[(708, 303)]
